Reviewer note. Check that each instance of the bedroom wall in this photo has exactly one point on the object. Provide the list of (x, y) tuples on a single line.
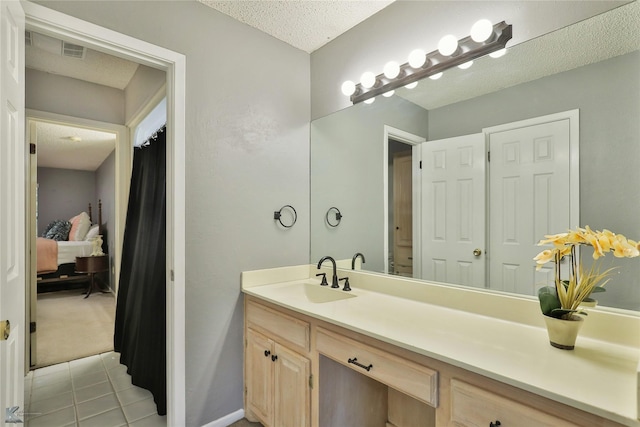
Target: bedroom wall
[(105, 191), (63, 194), (247, 155), (59, 94)]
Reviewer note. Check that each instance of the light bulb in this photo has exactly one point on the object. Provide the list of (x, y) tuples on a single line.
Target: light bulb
[(481, 31), (368, 79), (411, 85), (389, 93), (370, 100), (465, 65), (498, 53), (435, 76), (417, 58), (448, 45), (391, 70), (348, 88)]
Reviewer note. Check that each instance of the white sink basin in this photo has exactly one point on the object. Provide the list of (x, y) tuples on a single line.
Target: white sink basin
[(313, 292)]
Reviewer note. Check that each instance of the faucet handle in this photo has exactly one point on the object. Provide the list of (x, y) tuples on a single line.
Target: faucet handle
[(324, 279), (346, 284)]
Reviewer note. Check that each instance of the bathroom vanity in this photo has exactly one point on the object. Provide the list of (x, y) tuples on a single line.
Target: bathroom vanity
[(394, 352)]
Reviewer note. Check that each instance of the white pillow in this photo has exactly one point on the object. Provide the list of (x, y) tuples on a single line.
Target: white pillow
[(79, 226), (93, 232)]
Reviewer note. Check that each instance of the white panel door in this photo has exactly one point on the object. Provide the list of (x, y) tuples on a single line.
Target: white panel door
[(529, 174), (12, 208), (453, 210)]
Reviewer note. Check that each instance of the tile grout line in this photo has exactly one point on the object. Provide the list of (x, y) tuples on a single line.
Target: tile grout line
[(104, 365)]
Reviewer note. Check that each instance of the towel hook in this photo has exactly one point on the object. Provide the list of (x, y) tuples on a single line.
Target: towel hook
[(277, 215), (338, 216)]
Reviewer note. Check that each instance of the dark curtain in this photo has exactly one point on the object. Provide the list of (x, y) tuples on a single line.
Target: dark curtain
[(140, 328)]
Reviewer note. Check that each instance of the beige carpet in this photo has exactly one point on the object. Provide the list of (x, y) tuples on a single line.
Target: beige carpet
[(70, 327)]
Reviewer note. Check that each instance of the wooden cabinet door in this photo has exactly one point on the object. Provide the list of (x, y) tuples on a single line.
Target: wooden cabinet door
[(259, 376), (292, 394)]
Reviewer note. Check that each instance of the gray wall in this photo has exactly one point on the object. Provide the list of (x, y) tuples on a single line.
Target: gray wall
[(105, 191), (247, 154), (406, 25), (608, 97), (72, 97), (347, 173), (144, 84), (63, 194)]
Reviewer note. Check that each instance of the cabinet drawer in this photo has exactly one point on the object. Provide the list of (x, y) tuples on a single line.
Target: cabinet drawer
[(285, 328), (473, 406), (403, 375)]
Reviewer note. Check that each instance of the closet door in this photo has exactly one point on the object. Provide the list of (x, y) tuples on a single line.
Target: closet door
[(530, 197)]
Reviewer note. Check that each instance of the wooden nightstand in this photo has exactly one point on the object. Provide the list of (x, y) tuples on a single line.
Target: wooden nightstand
[(92, 265)]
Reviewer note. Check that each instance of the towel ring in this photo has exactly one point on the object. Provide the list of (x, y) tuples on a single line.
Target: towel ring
[(338, 216), (277, 215)]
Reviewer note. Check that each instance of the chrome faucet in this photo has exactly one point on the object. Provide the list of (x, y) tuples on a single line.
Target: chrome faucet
[(334, 279), (353, 260)]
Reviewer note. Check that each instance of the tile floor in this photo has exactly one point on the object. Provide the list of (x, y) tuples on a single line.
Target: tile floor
[(92, 392)]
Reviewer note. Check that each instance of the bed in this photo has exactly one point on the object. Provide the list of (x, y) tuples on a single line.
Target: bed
[(61, 243)]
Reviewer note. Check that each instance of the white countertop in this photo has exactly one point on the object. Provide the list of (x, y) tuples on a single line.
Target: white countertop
[(598, 376)]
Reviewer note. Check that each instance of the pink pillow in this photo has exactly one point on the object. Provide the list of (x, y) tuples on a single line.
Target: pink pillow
[(79, 227)]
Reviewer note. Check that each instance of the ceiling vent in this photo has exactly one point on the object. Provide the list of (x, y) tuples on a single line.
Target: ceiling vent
[(73, 50), (28, 41)]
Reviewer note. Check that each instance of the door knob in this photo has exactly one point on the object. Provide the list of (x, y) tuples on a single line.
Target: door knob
[(5, 329), (477, 252)]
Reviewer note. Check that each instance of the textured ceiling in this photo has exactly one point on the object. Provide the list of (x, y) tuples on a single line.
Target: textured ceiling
[(305, 24), (95, 67), (57, 149)]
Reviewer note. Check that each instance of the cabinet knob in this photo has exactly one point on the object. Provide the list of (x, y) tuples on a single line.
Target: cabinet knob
[(274, 358), (496, 424), (267, 353)]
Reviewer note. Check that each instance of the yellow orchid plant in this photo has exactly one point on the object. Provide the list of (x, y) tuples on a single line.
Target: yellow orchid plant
[(563, 299)]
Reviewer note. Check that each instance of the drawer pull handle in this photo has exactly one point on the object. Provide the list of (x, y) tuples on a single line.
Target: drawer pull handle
[(496, 424), (274, 358), (355, 362), (267, 353)]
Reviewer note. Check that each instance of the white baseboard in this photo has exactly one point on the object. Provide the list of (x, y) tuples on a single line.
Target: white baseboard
[(227, 419)]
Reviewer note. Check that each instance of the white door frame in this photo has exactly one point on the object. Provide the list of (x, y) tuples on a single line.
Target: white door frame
[(414, 141), (59, 25)]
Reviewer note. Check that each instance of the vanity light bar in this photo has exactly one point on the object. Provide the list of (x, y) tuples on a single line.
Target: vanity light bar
[(435, 63)]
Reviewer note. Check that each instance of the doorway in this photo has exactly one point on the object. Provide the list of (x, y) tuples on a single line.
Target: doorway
[(401, 198), (72, 165), (45, 20), (398, 140)]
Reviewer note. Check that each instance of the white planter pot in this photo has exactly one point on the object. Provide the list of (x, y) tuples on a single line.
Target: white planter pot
[(563, 333)]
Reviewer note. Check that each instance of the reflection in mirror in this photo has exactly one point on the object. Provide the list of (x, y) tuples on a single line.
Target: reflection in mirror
[(352, 151)]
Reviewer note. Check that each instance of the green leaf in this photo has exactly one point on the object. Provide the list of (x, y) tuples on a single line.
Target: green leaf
[(548, 300), (598, 289)]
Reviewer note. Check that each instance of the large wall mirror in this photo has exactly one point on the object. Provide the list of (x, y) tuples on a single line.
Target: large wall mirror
[(590, 69)]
